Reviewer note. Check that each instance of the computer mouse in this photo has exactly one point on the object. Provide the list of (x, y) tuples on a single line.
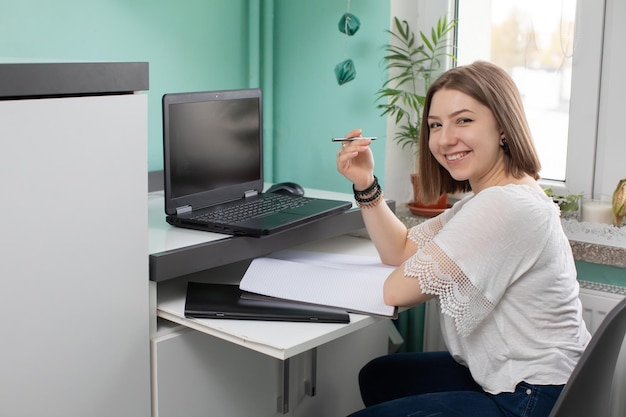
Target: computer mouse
[(286, 188)]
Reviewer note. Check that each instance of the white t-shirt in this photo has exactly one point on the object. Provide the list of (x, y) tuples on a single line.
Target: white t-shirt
[(504, 277)]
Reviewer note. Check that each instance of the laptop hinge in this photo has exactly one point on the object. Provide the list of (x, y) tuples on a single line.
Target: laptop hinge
[(250, 193), (183, 209)]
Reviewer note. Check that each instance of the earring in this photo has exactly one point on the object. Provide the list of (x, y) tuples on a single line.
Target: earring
[(505, 145)]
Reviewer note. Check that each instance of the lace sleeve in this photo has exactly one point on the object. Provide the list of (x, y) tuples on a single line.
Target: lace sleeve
[(437, 274), (423, 233)]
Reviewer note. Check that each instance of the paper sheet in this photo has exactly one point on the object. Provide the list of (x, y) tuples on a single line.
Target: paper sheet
[(354, 283)]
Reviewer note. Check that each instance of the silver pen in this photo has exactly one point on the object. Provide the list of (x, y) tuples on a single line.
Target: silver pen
[(351, 139)]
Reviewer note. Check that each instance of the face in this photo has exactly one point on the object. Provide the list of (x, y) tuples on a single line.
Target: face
[(465, 139)]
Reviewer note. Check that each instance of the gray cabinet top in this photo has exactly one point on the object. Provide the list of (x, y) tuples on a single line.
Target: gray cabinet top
[(33, 80)]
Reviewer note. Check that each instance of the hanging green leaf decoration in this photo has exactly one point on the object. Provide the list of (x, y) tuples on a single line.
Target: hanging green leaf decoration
[(349, 24), (345, 71)]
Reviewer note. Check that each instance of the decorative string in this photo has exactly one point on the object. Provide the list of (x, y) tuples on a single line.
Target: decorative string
[(348, 25), (345, 31)]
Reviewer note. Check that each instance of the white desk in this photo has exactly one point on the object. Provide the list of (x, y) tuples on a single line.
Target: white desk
[(296, 384), (175, 252)]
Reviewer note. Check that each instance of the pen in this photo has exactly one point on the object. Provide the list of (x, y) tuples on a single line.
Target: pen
[(351, 139)]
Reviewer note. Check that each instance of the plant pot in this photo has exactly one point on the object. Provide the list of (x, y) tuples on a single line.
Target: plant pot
[(426, 210)]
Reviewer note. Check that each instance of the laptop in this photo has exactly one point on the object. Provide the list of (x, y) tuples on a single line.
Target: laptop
[(213, 165), (225, 301)]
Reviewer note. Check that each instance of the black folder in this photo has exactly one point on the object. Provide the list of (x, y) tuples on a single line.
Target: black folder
[(224, 301)]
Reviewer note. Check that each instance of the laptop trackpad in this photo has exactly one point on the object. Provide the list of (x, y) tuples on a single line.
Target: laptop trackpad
[(275, 219)]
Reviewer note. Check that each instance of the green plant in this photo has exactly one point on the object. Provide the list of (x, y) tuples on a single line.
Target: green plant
[(412, 67), (567, 203)]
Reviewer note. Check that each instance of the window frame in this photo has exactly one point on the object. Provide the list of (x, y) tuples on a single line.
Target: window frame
[(585, 98)]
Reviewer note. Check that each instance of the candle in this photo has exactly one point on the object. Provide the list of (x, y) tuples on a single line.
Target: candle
[(597, 211)]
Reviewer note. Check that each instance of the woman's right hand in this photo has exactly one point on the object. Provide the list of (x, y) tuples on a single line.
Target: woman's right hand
[(355, 161)]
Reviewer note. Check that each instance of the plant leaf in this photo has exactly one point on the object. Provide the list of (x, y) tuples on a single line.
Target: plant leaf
[(412, 67)]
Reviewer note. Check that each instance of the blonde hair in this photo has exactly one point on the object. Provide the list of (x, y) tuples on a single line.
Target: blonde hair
[(494, 88)]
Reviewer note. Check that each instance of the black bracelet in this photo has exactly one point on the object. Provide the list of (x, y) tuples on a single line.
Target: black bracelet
[(369, 202), (368, 190), (369, 199)]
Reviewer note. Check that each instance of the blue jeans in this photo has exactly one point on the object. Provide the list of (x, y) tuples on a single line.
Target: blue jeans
[(434, 384)]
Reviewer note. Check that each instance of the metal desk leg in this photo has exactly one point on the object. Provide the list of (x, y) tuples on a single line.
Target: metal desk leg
[(283, 398), (311, 384)]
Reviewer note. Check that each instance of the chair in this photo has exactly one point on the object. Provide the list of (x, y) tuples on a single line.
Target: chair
[(588, 390)]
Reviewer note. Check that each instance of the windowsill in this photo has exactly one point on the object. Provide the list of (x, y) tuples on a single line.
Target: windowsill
[(595, 243)]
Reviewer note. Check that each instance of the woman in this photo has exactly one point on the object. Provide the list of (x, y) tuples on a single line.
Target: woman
[(498, 262)]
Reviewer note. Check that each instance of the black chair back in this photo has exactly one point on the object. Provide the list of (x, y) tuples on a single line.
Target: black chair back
[(588, 390)]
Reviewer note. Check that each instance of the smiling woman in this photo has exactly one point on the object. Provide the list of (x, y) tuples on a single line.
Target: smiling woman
[(464, 138), (498, 259), (481, 139)]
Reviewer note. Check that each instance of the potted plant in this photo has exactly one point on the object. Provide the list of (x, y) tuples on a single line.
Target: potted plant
[(569, 204), (412, 66)]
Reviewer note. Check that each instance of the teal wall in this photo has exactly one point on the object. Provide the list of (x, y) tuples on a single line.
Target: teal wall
[(287, 47)]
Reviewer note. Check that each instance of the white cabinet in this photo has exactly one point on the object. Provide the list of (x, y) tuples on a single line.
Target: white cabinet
[(73, 271), (206, 376)]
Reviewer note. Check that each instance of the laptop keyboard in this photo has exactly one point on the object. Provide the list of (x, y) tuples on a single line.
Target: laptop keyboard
[(269, 204)]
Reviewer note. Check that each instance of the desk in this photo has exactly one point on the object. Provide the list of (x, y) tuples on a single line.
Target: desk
[(237, 368)]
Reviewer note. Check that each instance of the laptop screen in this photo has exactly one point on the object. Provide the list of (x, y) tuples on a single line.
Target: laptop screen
[(212, 145)]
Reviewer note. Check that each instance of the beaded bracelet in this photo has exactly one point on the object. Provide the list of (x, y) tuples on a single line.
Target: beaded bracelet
[(368, 190), (370, 197), (373, 203)]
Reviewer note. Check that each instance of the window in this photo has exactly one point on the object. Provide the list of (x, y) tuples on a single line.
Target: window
[(539, 43)]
